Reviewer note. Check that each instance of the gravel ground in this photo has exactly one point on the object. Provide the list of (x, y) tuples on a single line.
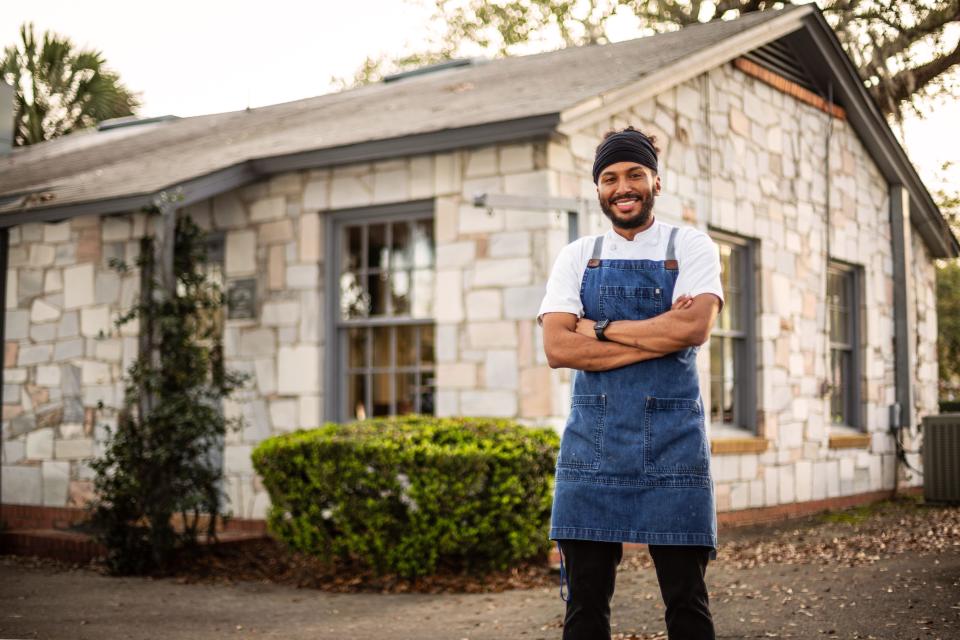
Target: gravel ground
[(888, 572)]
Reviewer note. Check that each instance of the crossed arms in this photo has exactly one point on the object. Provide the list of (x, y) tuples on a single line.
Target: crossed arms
[(571, 342)]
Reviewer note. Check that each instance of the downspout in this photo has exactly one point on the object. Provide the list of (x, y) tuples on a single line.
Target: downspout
[(4, 247), (901, 415)]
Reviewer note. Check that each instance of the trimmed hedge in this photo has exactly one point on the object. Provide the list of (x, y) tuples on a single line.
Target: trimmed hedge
[(401, 495), (949, 406)]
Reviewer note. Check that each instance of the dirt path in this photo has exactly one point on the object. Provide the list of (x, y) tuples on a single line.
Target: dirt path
[(903, 597), (892, 574)]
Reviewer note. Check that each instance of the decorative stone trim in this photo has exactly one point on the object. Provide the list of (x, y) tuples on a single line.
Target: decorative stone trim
[(790, 88), (738, 445), (844, 441)]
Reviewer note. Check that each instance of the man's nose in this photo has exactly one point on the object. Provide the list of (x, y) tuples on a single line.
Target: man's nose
[(623, 186)]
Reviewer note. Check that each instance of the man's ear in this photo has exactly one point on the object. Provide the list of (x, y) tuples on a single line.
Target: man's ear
[(656, 185)]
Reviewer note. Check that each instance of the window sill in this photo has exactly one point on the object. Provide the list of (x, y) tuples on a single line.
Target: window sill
[(849, 440), (746, 444)]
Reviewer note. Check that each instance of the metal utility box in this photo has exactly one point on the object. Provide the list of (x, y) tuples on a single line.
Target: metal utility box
[(941, 458)]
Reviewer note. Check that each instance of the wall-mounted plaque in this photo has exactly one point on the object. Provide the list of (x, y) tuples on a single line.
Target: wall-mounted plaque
[(242, 299)]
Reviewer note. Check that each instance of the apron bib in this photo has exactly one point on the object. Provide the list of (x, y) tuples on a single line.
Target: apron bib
[(634, 462)]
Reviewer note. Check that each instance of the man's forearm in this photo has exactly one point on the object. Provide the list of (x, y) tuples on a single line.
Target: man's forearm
[(662, 334), (575, 351)]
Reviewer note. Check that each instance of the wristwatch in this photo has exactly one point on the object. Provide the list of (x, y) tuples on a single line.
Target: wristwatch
[(600, 327)]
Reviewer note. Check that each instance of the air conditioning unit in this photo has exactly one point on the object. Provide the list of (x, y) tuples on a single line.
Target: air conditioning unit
[(941, 458)]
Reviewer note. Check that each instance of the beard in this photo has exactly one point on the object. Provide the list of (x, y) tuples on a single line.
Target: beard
[(641, 218)]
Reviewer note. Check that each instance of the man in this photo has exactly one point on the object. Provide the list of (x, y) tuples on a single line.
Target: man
[(628, 310)]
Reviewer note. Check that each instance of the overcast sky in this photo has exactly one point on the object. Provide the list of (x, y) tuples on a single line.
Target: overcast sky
[(206, 56)]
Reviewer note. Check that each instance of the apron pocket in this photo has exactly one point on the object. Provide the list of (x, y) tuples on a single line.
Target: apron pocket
[(580, 446), (675, 439), (630, 303)]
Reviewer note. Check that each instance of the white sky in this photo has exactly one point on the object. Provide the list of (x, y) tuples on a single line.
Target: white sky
[(206, 56)]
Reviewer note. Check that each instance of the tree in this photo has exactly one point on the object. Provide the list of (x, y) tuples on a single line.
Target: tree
[(60, 89), (159, 462), (948, 299), (905, 50)]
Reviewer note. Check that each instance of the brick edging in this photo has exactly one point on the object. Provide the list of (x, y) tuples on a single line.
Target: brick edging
[(760, 515), (30, 516), (783, 85)]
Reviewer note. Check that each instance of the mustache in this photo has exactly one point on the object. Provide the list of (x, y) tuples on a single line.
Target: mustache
[(625, 196)]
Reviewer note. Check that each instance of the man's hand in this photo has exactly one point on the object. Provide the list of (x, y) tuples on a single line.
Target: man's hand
[(585, 326)]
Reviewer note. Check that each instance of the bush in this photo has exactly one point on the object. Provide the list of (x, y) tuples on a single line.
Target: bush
[(401, 495)]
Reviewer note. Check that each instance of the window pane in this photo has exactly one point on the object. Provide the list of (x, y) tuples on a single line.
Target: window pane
[(729, 371), (732, 310), (426, 345), (382, 383), (423, 244), (354, 301), (356, 348), (725, 270), (376, 294), (406, 393), (402, 254), (427, 385), (422, 306), (352, 249), (400, 293), (382, 348), (356, 394), (406, 346), (716, 379), (378, 253), (839, 381)]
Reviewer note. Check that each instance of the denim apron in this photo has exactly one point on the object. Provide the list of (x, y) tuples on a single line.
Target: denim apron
[(634, 462)]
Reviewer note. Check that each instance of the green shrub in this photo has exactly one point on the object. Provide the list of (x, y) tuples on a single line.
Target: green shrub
[(401, 495), (950, 406)]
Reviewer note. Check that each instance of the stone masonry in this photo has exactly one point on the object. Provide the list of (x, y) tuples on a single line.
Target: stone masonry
[(737, 156)]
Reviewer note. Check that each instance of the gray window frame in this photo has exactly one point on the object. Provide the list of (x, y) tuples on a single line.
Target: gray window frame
[(335, 357), (853, 280), (745, 382)]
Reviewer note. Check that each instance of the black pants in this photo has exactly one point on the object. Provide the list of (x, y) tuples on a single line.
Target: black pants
[(591, 574)]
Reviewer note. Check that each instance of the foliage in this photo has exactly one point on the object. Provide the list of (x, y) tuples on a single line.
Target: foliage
[(904, 50), (401, 495), (60, 89), (948, 319), (158, 463), (948, 296)]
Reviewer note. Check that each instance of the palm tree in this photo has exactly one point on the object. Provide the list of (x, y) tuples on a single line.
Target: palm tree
[(60, 89)]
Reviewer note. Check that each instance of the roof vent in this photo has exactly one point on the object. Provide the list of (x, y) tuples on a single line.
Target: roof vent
[(131, 121), (430, 68)]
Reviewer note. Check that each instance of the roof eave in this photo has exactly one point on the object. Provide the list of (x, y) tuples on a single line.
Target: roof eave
[(876, 135), (206, 186), (596, 109)]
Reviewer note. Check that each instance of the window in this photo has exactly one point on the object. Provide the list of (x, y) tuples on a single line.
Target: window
[(732, 342), (383, 314), (843, 317)]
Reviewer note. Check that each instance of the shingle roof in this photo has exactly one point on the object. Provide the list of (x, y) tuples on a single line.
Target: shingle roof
[(145, 159)]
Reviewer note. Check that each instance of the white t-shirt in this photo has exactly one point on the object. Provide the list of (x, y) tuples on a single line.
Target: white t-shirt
[(697, 255)]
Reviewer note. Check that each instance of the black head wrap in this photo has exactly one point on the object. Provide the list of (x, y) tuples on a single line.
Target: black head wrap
[(624, 146)]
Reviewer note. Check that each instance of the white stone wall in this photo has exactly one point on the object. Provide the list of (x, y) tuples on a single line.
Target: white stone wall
[(736, 155), (491, 270), (63, 357), (739, 156)]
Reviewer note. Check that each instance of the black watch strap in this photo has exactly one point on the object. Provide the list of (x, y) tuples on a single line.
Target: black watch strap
[(600, 327)]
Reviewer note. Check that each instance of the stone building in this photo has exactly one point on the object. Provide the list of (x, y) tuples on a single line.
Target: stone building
[(367, 277)]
